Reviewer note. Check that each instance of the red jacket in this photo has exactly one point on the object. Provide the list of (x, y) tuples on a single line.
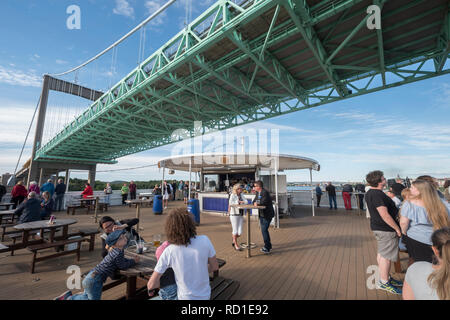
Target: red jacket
[(87, 192), (132, 187), (18, 191)]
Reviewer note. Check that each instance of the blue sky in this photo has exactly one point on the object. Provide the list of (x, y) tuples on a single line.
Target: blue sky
[(402, 130)]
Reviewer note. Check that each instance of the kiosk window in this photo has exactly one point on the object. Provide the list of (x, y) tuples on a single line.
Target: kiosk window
[(211, 182)]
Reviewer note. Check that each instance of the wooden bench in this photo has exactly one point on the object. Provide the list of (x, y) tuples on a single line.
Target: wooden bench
[(38, 247), (72, 207), (103, 206), (3, 248), (14, 235), (18, 235), (4, 232), (91, 233), (223, 289), (88, 234)]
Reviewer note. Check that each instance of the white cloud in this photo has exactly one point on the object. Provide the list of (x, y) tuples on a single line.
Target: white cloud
[(58, 61), (123, 8), (153, 6), (19, 78)]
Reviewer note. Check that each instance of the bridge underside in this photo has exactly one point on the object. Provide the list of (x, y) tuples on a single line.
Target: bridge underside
[(246, 61)]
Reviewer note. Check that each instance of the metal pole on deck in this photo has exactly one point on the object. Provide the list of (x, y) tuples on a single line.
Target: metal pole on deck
[(162, 184), (276, 193), (190, 176), (312, 192), (67, 187)]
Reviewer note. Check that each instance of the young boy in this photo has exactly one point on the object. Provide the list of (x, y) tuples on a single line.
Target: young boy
[(93, 283)]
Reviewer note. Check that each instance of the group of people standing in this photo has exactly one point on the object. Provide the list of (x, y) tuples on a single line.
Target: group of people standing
[(52, 196), (173, 191), (421, 219), (347, 191), (125, 190), (108, 191)]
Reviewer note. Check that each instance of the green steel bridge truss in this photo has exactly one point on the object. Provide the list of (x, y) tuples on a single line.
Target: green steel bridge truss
[(245, 61)]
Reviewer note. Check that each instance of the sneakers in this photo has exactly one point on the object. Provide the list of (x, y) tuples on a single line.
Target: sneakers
[(388, 287), (265, 250), (395, 283), (64, 296)]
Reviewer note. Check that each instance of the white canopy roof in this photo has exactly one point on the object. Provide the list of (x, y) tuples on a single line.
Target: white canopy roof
[(224, 162)]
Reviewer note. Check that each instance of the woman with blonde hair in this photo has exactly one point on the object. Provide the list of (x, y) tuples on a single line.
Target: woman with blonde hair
[(423, 213), (236, 215), (426, 281)]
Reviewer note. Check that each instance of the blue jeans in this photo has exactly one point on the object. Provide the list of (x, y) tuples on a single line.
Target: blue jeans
[(265, 224), (332, 199), (108, 198), (59, 202), (93, 286), (169, 292)]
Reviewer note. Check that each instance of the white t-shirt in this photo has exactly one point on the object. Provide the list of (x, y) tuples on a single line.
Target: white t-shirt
[(190, 265)]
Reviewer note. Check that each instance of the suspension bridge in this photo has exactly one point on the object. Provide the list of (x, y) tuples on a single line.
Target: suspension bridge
[(243, 61)]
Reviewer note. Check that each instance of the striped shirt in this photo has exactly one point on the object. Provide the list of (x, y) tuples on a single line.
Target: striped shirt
[(113, 261)]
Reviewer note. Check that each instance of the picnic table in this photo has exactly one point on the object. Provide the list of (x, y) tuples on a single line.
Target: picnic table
[(144, 269), (6, 206), (90, 201), (8, 215), (138, 204), (144, 196), (42, 225), (249, 207)]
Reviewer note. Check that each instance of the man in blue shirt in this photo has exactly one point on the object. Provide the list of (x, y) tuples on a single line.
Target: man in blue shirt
[(318, 195), (48, 187)]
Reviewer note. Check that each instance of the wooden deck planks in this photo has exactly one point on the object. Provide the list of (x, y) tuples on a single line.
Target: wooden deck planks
[(321, 257)]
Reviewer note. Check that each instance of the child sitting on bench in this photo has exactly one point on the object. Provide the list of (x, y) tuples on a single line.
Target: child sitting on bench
[(93, 283)]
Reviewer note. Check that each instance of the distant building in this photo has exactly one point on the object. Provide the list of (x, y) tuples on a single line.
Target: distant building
[(4, 178)]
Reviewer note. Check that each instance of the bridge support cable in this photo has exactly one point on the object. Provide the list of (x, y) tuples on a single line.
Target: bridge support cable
[(115, 44), (25, 142)]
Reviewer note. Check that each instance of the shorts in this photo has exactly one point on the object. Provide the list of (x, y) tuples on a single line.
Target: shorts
[(166, 197), (387, 242), (417, 250)]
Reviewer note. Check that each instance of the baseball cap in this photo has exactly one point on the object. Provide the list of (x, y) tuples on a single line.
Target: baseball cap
[(112, 238)]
